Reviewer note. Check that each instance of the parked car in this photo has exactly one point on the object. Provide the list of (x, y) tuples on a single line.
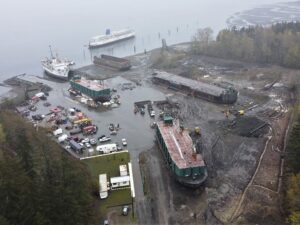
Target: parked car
[(125, 210), (75, 131), (76, 139), (87, 145), (32, 108), (119, 148), (93, 141), (152, 113), (114, 132), (38, 117), (104, 139), (86, 140), (102, 136), (124, 142)]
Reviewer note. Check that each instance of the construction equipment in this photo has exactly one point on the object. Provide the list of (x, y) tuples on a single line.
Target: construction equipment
[(197, 131), (241, 112)]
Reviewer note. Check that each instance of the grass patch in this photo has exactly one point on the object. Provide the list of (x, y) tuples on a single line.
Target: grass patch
[(142, 162), (109, 164), (115, 198)]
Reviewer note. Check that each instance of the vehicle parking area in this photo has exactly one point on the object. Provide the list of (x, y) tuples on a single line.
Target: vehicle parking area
[(90, 127)]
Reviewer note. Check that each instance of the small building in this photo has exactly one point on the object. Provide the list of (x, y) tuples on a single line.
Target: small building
[(196, 88), (103, 190), (118, 182), (94, 89), (123, 170)]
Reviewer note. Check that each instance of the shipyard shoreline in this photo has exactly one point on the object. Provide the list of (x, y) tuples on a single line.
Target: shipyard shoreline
[(243, 153)]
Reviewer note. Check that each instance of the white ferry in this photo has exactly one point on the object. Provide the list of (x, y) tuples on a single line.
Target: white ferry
[(111, 37)]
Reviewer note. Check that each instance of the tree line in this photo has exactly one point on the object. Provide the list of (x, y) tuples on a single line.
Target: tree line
[(278, 44), (39, 183)]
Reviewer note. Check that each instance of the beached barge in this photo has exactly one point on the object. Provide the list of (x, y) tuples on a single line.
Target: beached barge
[(94, 89), (196, 88), (112, 62), (185, 164)]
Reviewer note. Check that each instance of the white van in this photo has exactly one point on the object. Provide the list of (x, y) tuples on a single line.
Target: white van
[(57, 132), (62, 138)]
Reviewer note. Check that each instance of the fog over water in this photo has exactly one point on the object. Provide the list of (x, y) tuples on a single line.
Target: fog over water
[(28, 27)]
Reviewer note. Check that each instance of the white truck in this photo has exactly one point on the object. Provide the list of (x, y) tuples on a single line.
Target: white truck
[(57, 132), (62, 138), (105, 149)]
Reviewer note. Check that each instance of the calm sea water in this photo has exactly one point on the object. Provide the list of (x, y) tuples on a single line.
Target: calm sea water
[(29, 27)]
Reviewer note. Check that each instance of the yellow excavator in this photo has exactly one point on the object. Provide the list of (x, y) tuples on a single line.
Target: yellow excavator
[(197, 131), (227, 112)]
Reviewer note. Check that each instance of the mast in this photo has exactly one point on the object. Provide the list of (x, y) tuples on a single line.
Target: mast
[(51, 52)]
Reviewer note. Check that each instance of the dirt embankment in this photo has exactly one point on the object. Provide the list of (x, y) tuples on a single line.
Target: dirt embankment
[(243, 152)]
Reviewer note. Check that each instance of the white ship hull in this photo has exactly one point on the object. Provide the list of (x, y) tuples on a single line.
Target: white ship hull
[(109, 39), (59, 71)]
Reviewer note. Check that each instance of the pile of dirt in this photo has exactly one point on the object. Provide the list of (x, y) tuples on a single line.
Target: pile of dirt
[(246, 126)]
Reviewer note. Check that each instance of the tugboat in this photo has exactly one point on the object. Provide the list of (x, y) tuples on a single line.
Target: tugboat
[(56, 67)]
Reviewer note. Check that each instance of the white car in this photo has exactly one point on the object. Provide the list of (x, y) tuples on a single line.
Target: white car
[(88, 145), (152, 113), (104, 139), (90, 150), (86, 140), (124, 142), (93, 141)]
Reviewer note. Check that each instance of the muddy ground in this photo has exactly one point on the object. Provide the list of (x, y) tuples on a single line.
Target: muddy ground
[(243, 160), (243, 153)]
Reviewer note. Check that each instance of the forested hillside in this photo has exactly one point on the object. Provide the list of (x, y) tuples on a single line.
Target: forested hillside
[(39, 183), (278, 44)]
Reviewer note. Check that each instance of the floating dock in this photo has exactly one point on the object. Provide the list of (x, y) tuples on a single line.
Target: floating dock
[(94, 89), (196, 88)]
